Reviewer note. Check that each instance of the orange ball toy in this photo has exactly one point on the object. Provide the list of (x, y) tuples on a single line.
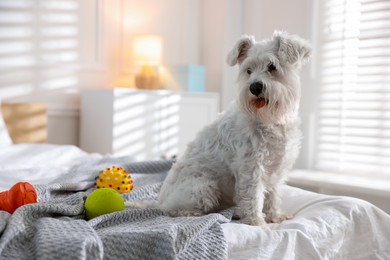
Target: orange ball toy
[(20, 194)]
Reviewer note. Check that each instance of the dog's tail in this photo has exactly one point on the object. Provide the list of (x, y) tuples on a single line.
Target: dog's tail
[(143, 204)]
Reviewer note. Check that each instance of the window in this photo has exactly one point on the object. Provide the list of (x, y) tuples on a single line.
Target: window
[(49, 46), (354, 74)]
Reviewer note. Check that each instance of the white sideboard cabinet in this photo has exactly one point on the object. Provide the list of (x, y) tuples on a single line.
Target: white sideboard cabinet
[(144, 124)]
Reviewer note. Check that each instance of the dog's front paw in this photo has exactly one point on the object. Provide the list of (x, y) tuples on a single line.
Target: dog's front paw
[(249, 217), (277, 218)]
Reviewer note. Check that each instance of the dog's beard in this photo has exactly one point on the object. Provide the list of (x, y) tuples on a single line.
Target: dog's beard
[(273, 106)]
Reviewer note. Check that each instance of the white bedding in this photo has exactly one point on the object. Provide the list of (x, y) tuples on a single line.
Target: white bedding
[(18, 162), (323, 227)]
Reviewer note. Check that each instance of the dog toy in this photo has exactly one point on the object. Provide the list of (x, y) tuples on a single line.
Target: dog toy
[(20, 194), (115, 178), (103, 201)]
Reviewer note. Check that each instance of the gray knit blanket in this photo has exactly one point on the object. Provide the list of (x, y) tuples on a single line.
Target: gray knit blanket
[(56, 228)]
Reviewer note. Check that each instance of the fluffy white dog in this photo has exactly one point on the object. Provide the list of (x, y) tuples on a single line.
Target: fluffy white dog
[(240, 159)]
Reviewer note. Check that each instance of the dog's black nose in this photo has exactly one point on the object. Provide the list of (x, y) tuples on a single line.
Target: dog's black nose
[(256, 88)]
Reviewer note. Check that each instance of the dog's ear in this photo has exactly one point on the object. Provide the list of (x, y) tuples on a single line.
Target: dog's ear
[(240, 50), (291, 49)]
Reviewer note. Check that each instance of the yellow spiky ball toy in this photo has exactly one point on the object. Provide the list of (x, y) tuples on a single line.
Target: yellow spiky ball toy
[(116, 178)]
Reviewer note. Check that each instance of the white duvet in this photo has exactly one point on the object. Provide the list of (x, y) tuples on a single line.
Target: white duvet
[(323, 227), (32, 163)]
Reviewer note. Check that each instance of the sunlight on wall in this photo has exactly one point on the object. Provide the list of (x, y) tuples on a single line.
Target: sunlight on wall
[(152, 121), (39, 43)]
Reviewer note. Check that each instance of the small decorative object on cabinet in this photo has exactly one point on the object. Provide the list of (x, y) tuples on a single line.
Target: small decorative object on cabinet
[(189, 78), (145, 124), (147, 52)]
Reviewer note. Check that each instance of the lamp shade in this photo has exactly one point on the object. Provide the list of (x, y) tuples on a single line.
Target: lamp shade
[(147, 49)]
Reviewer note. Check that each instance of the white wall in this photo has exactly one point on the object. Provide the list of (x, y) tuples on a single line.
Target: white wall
[(175, 20), (90, 43), (221, 26), (49, 50)]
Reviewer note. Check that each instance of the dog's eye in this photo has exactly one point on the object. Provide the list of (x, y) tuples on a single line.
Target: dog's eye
[(271, 67), (249, 71)]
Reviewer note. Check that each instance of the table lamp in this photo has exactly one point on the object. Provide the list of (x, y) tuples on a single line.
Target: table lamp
[(147, 52)]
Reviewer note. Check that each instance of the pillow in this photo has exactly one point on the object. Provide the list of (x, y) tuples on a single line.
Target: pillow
[(5, 139)]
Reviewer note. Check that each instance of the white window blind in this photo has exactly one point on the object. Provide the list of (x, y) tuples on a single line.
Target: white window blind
[(39, 46), (354, 70)]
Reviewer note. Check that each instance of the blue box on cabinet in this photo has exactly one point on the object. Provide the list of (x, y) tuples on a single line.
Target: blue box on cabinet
[(189, 78)]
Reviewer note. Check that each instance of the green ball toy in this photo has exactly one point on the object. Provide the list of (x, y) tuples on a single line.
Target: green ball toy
[(103, 201)]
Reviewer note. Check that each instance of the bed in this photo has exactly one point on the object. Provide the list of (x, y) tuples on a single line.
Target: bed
[(323, 227)]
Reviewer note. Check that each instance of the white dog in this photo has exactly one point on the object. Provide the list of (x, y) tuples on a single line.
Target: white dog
[(240, 159)]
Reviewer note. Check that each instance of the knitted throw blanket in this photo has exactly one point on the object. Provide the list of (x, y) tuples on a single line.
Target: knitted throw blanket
[(56, 228)]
